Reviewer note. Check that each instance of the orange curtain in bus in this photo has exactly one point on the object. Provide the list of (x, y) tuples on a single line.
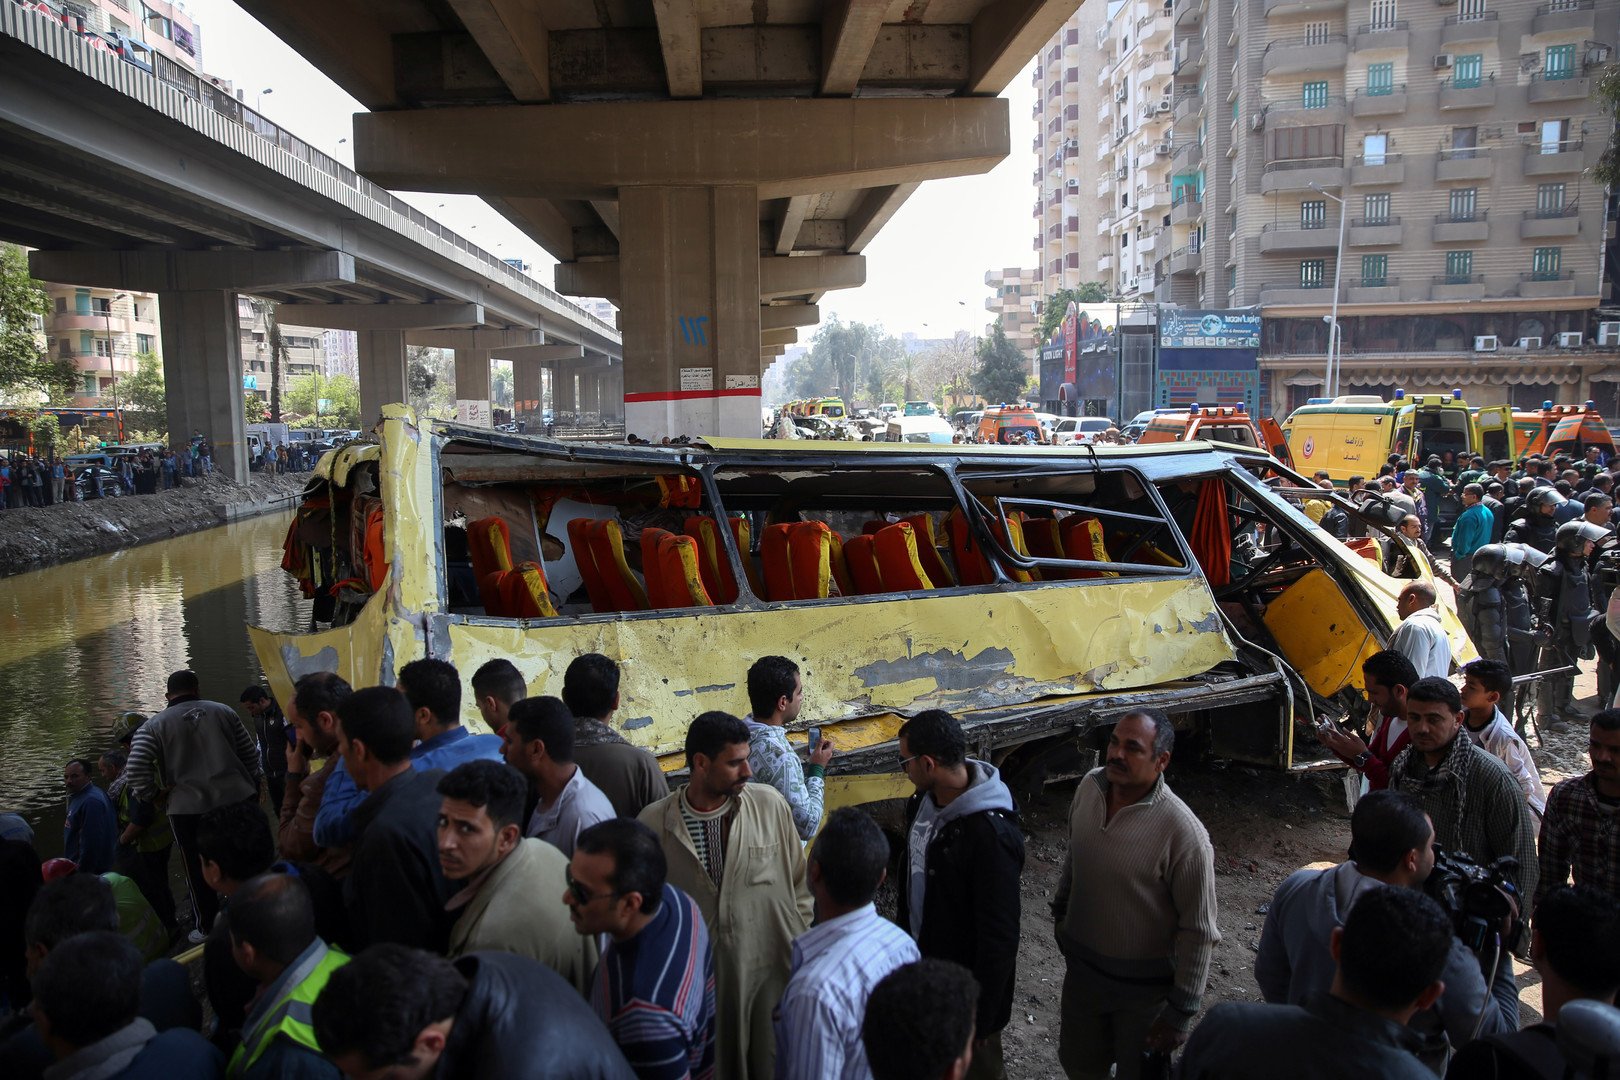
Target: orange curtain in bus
[(1211, 534)]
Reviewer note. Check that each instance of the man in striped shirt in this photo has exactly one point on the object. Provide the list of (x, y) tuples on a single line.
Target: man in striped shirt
[(835, 965), (654, 988)]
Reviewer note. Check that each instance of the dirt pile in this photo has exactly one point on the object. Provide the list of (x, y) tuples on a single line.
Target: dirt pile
[(32, 537)]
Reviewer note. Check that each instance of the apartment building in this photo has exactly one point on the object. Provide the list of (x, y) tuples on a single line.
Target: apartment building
[(306, 348), (1416, 169), (102, 331), (154, 26), (1068, 249), (1014, 293)]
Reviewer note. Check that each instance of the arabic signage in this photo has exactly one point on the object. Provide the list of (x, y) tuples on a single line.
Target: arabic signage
[(1193, 329)]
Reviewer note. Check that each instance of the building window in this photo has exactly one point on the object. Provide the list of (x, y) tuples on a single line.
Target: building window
[(1313, 214), (1550, 200), (1311, 273), (1380, 79), (61, 305), (92, 386), (81, 301), (143, 343), (1546, 264), (1231, 279), (1560, 62), (1459, 267), (1381, 14), (1464, 141), (1464, 202), (1470, 10), (1318, 33), (1316, 95), (1374, 271), (1373, 149), (1375, 209), (1467, 71), (103, 347), (85, 348), (1555, 136)]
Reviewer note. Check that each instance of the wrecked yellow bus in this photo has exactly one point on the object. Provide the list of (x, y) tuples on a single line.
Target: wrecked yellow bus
[(1037, 593)]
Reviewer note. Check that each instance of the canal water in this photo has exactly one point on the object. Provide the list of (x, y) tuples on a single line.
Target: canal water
[(83, 642)]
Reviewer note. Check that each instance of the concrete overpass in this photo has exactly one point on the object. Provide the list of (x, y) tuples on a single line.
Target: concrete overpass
[(122, 180), (713, 166)]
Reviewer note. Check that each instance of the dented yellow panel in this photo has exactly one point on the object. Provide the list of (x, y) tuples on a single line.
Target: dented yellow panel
[(1319, 633)]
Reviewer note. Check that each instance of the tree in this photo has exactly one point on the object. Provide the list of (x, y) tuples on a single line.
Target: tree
[(430, 384), (841, 360), (1089, 292), (253, 409), (146, 403), (1607, 171), (1003, 371), (325, 400), (27, 372), (500, 386), (278, 356)]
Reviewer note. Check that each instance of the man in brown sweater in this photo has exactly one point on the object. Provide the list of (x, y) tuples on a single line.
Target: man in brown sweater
[(313, 713), (1135, 908)]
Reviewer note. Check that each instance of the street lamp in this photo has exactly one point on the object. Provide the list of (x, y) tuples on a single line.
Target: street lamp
[(258, 100), (1335, 337), (112, 354)]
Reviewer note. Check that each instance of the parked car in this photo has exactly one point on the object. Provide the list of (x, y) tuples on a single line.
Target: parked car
[(1079, 429), (1138, 424)]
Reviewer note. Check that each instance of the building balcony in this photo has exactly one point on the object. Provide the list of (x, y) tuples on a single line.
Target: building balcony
[(1277, 237), (1287, 56), (97, 323), (1391, 102), (1559, 88), (1564, 17), (1188, 103), (1189, 13), (1153, 198), (1553, 158), (1380, 170), (1383, 232), (1384, 290), (1329, 110), (1105, 263), (1537, 224), (1467, 29), (1156, 65), (1105, 222), (1184, 260), (1156, 25), (1105, 184), (1164, 244), (1277, 294), (1280, 8), (1393, 35), (1457, 287), (1189, 56), (1450, 230), (1105, 113), (1543, 284), (1472, 94), (1466, 164), (1187, 157), (1185, 210), (1299, 174)]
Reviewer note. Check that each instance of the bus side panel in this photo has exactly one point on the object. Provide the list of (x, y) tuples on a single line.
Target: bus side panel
[(360, 651), (1320, 634), (959, 652)]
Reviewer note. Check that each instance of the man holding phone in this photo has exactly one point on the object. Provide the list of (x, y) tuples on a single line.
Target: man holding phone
[(776, 694)]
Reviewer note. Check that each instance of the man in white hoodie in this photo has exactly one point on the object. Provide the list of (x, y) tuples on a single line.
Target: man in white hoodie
[(965, 853)]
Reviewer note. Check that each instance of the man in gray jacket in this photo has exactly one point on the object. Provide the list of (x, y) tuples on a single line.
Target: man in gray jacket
[(1391, 846), (199, 755)]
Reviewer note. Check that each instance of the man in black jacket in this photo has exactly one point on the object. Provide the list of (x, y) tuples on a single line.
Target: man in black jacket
[(965, 852), (396, 890), (486, 1015)]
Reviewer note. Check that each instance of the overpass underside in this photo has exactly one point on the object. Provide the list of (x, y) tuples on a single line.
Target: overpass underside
[(713, 168)]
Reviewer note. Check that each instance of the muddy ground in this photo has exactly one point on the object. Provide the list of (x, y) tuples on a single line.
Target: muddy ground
[(1264, 826)]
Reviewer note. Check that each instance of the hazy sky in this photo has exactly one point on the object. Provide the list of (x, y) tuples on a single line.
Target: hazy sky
[(924, 273)]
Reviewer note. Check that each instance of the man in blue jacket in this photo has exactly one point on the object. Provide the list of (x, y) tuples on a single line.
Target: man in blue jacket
[(1472, 531), (91, 836)]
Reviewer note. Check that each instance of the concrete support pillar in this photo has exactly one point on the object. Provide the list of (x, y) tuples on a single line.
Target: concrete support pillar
[(613, 393), (472, 386), (566, 402), (690, 257), (526, 388), (202, 371), (381, 358)]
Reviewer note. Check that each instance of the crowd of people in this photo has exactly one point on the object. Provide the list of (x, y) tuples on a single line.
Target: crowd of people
[(430, 901), (38, 481)]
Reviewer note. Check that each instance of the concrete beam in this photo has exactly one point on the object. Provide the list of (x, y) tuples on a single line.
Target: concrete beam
[(782, 316), (784, 338), (381, 316), (539, 353), (599, 277), (681, 40), (874, 212), (782, 277), (849, 28), (463, 340), (784, 147), (540, 221), (185, 271), (771, 352), (515, 41), (789, 224), (1006, 33)]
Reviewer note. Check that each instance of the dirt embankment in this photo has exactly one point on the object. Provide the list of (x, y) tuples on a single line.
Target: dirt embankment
[(34, 537)]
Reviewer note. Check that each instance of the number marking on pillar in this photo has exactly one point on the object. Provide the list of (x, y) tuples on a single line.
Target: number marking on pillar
[(692, 329)]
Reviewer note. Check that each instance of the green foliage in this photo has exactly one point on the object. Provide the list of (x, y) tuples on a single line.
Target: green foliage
[(1607, 93), (1089, 292), (47, 431), (844, 360), (500, 386), (25, 367), (340, 392), (1003, 370), (142, 396), (430, 381), (254, 409)]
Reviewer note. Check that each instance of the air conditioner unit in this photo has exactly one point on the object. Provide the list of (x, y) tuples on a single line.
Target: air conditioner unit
[(1486, 343), (1164, 104), (1073, 185), (1071, 144), (1570, 339), (1257, 121), (1162, 149), (1528, 343), (1122, 173), (1608, 333), (1442, 60), (1598, 54), (1121, 92)]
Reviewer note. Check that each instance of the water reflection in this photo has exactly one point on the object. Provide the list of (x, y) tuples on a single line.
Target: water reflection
[(83, 642)]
